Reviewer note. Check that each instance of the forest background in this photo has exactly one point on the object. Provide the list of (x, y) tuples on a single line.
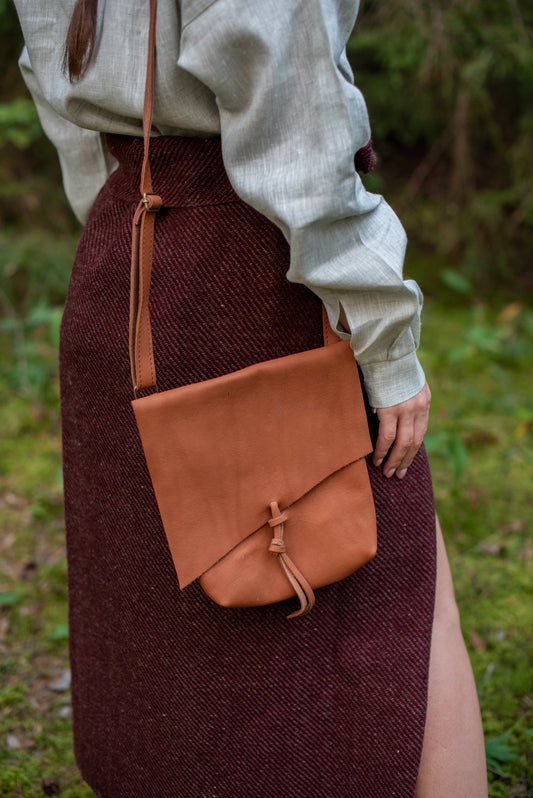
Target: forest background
[(449, 85)]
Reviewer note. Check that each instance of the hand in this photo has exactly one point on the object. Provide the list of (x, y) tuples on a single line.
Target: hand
[(401, 427)]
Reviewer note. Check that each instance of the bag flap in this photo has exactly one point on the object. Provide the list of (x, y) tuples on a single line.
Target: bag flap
[(220, 451)]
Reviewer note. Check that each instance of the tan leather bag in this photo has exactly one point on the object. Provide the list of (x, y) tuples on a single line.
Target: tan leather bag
[(259, 475)]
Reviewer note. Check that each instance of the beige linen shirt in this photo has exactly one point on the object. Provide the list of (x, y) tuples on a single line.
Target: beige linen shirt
[(271, 77)]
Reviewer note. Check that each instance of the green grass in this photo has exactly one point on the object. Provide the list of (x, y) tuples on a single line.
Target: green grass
[(481, 448), (481, 443)]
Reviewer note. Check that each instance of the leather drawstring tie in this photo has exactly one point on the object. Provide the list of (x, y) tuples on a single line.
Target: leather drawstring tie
[(301, 586)]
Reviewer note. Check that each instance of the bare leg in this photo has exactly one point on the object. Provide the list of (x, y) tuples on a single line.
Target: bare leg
[(453, 753)]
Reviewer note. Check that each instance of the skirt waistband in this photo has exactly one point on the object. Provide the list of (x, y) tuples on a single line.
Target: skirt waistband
[(186, 171)]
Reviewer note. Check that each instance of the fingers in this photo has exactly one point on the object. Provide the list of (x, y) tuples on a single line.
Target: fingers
[(404, 449), (388, 423), (401, 432)]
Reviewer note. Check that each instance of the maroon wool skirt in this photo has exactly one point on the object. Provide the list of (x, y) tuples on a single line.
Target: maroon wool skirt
[(173, 696)]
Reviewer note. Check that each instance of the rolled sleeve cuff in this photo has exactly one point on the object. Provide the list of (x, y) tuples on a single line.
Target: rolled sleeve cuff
[(393, 381)]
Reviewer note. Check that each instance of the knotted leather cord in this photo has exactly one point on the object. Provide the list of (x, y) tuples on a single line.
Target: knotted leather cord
[(301, 586), (143, 373)]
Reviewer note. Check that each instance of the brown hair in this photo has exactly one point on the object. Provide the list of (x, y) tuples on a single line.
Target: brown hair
[(81, 38)]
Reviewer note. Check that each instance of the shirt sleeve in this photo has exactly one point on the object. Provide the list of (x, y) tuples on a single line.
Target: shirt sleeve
[(291, 122), (84, 160)]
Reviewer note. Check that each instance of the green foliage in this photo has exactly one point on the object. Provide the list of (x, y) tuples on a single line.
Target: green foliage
[(498, 753), (452, 448), (19, 123), (34, 272), (457, 282), (59, 632), (450, 91), (35, 266), (10, 597), (31, 194), (30, 373), (11, 44), (480, 399)]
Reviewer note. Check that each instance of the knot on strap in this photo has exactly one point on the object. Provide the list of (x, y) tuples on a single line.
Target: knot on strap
[(299, 583), (277, 546)]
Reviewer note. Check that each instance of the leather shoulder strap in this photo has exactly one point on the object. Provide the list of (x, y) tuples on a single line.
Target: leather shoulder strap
[(143, 373), (142, 363)]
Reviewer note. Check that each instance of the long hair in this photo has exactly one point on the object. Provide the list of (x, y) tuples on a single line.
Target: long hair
[(81, 38)]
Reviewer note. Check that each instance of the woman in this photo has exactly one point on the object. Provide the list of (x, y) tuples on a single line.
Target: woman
[(257, 122)]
